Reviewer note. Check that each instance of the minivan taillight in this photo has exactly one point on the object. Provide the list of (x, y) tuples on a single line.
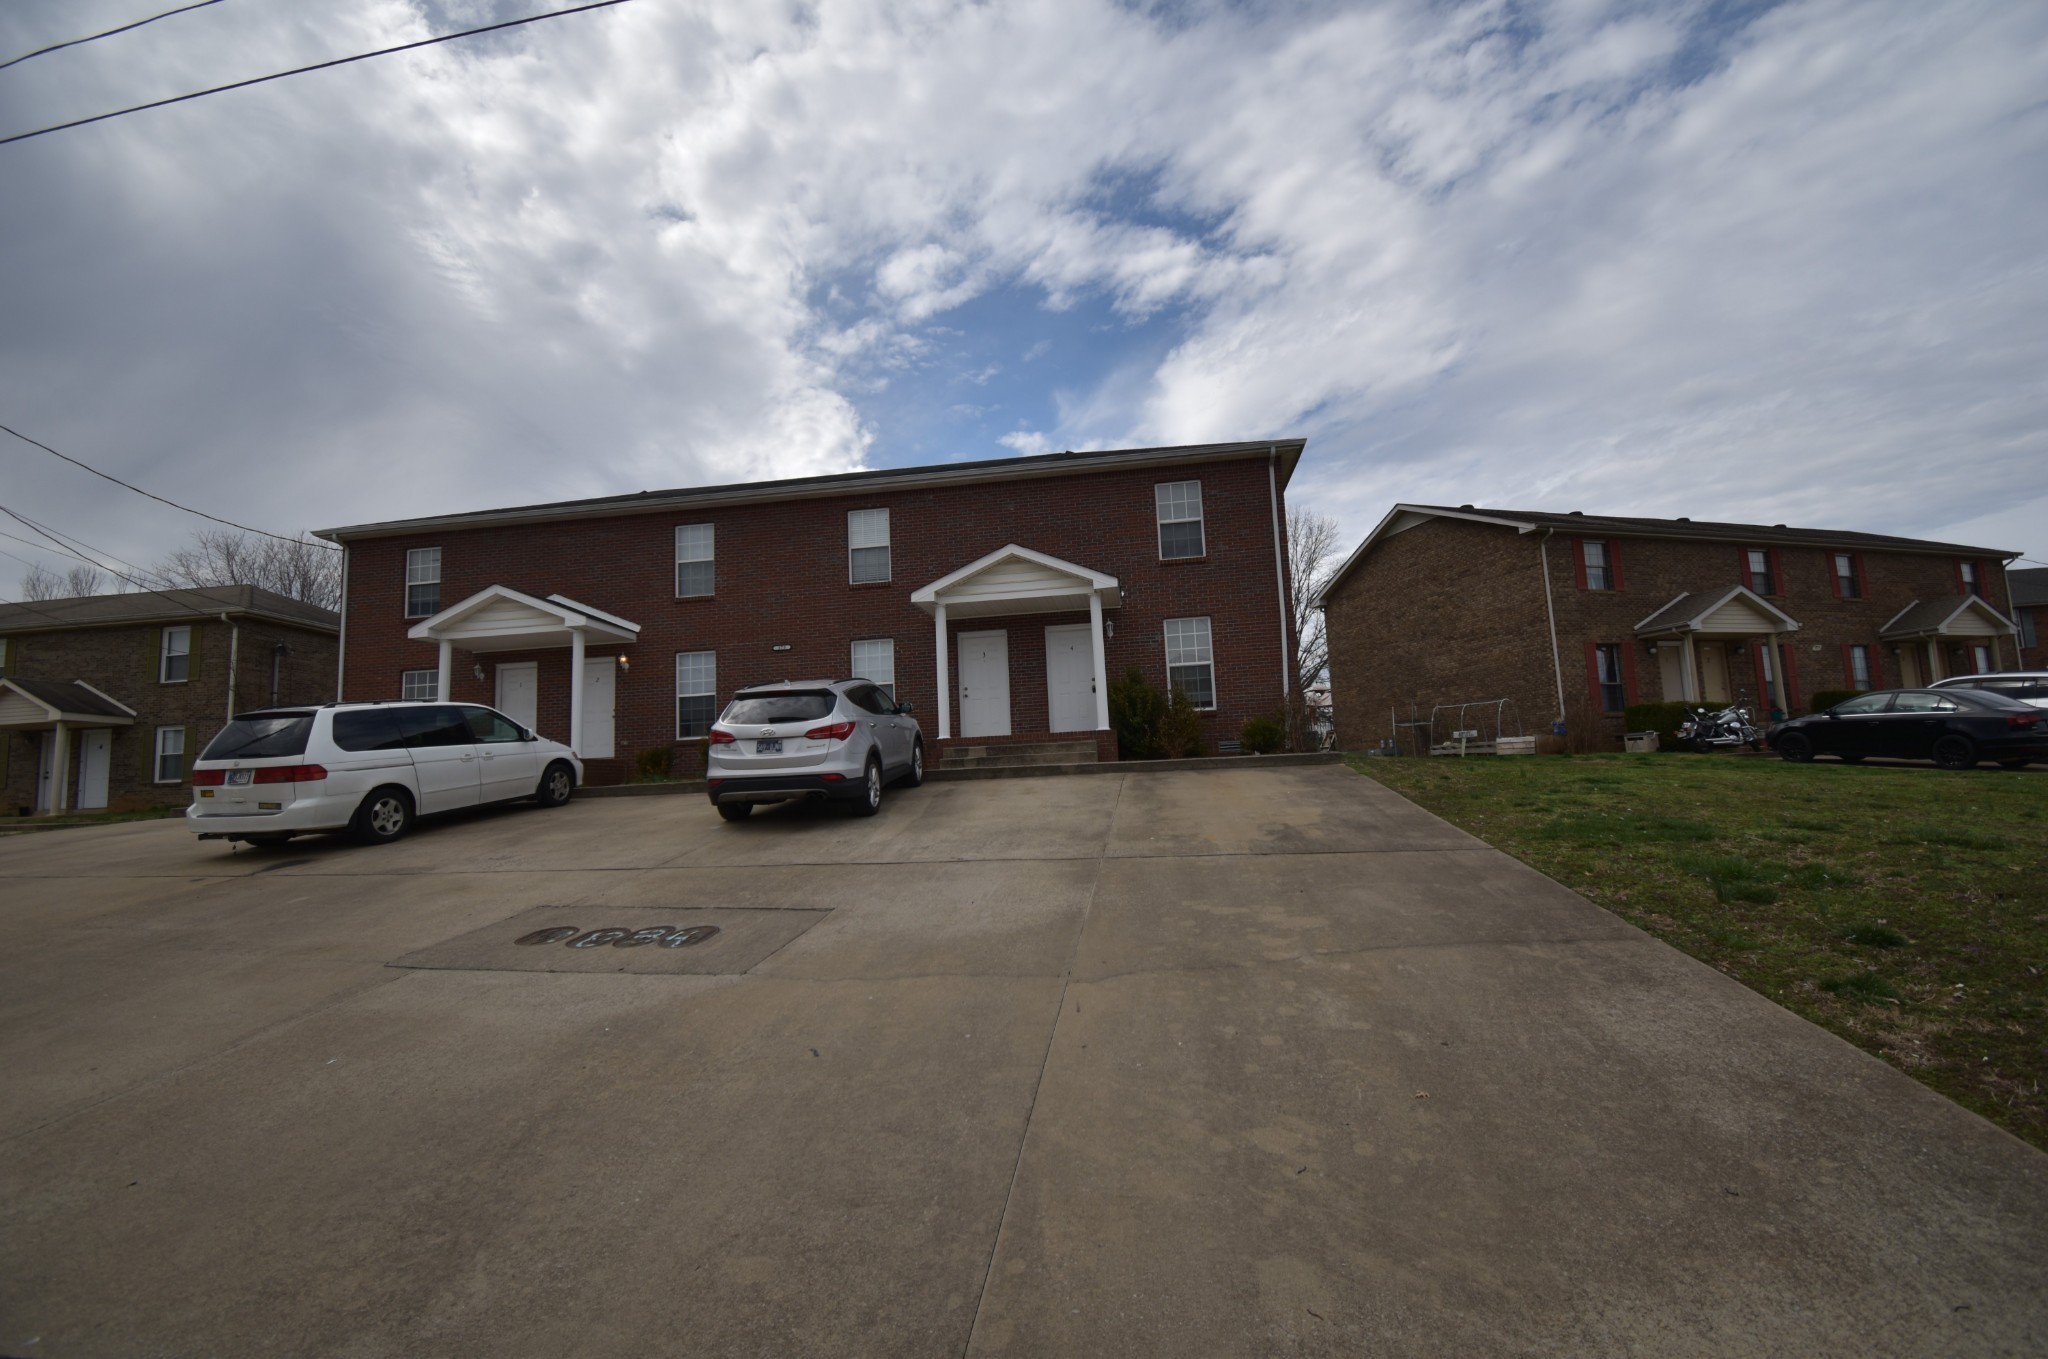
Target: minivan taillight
[(838, 731), (722, 738), (291, 773), (209, 778)]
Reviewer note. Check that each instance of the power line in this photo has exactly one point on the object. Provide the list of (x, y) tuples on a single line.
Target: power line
[(316, 66), (154, 496), (152, 587), (95, 37)]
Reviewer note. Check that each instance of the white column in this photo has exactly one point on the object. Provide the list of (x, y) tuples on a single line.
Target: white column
[(1778, 693), (1692, 670), (447, 672), (1101, 685), (576, 690), (1932, 650), (945, 675), (60, 775)]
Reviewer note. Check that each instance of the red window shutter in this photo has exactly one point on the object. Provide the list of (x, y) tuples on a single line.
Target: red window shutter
[(1593, 674), (1742, 558), (1834, 576), (1777, 573), (1628, 672), (1614, 571), (1579, 560), (1874, 650), (1849, 668), (1962, 586), (1862, 589)]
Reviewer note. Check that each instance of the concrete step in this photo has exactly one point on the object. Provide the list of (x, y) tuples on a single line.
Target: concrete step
[(1023, 753)]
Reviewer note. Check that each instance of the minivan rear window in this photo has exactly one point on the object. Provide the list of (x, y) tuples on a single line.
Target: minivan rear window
[(369, 729), (260, 736), (797, 705)]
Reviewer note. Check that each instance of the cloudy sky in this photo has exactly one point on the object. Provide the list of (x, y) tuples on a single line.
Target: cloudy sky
[(1775, 262)]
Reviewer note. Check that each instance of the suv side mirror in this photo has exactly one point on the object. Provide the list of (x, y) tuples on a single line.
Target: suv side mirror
[(903, 708), (526, 735)]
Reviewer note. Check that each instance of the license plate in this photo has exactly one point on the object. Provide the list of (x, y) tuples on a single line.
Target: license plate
[(240, 776), (773, 747)]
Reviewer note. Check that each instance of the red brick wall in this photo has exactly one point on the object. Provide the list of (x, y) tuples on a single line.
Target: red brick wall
[(122, 663), (782, 578), (1452, 610)]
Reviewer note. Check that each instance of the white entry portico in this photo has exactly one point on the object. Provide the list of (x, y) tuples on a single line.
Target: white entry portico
[(503, 619), (1016, 580)]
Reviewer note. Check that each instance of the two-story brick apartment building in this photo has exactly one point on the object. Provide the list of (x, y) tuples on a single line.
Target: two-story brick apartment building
[(996, 597), (1575, 616), (106, 699), (2030, 612)]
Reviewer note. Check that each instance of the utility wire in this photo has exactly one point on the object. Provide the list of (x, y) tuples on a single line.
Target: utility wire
[(153, 496), (212, 606), (316, 66), (95, 37)]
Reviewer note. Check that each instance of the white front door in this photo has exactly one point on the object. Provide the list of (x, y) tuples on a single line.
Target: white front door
[(600, 683), (1070, 677), (93, 749), (985, 683), (519, 692), (46, 774)]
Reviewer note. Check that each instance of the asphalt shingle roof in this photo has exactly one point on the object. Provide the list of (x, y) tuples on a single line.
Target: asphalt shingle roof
[(2029, 588), (1713, 531), (69, 697), (152, 606)]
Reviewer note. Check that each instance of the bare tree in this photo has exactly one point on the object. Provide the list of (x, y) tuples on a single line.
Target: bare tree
[(297, 568), (1311, 560), (40, 582)]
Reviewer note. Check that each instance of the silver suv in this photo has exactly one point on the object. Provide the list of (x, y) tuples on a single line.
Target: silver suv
[(2028, 686), (811, 739)]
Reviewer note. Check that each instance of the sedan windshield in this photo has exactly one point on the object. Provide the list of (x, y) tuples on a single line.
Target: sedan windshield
[(804, 705)]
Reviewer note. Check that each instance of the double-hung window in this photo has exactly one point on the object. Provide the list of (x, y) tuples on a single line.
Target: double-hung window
[(1190, 663), (1848, 579), (1859, 668), (1598, 561), (420, 686), (696, 692), (696, 564), (1758, 560), (1980, 659), (1180, 519), (875, 661), (174, 656), (1972, 579), (867, 546), (422, 582), (1608, 677), (2024, 617), (170, 754)]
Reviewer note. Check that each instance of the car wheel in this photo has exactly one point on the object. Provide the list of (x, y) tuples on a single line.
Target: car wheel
[(735, 811), (870, 789), (1955, 752), (1794, 747), (916, 774), (555, 785), (385, 815)]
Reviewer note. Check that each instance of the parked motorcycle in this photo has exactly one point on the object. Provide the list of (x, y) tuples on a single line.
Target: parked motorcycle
[(1724, 730)]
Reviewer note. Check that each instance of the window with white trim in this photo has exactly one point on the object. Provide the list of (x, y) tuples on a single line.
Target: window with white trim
[(696, 567), (1180, 519), (867, 546), (1760, 579), (174, 656), (874, 660), (420, 686), (422, 582), (1848, 580), (1190, 663), (170, 754), (1980, 657), (1599, 576), (1613, 687), (1973, 582), (1859, 668), (696, 693)]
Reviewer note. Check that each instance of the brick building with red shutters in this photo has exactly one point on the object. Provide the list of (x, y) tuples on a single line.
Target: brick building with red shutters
[(621, 625), (1573, 617)]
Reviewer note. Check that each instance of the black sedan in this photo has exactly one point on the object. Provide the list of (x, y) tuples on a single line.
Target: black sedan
[(1955, 728)]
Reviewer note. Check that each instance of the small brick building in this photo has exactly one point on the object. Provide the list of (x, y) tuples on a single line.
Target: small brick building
[(995, 597), (2030, 613), (106, 699), (1572, 617)]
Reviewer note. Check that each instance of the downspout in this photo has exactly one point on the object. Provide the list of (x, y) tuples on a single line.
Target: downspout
[(1280, 580), (234, 649), (1556, 658), (341, 638)]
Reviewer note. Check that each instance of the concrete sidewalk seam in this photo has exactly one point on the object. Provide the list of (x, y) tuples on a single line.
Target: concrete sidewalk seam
[(1319, 954)]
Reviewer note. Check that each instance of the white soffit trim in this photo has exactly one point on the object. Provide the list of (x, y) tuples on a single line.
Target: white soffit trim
[(598, 614), (107, 696), (558, 616), (1085, 580)]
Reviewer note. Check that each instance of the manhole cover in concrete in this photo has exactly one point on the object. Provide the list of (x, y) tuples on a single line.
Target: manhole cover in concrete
[(614, 939)]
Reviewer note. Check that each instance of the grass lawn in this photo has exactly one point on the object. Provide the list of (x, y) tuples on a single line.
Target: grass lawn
[(1904, 909)]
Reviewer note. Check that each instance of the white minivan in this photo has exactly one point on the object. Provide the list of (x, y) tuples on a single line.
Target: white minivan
[(368, 768)]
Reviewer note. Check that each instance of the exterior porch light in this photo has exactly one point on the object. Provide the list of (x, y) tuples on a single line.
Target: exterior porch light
[(478, 671), (624, 665)]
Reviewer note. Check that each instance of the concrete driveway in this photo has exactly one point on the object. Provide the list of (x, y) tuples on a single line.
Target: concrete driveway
[(1253, 1062)]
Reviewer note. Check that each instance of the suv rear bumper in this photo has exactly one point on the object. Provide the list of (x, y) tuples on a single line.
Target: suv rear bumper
[(782, 788)]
